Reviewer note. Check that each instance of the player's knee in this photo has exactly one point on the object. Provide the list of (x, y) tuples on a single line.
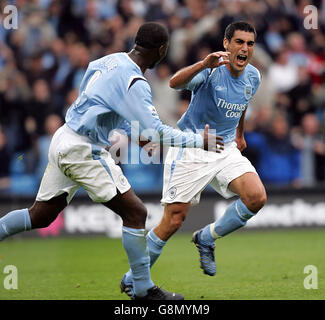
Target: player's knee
[(177, 221), (255, 201), (39, 219), (137, 217), (142, 213), (178, 215), (42, 214)]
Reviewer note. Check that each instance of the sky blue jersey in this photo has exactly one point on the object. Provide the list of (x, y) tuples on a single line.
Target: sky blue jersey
[(114, 94), (219, 99)]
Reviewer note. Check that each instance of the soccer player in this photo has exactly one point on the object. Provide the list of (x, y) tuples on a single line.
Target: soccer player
[(222, 85), (113, 93)]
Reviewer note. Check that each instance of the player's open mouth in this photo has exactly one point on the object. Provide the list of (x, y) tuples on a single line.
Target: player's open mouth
[(241, 59)]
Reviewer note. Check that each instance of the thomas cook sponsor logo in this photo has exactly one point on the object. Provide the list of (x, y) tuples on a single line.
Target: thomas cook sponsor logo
[(232, 110)]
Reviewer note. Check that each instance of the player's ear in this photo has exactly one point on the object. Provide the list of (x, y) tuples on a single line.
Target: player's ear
[(163, 49), (225, 43)]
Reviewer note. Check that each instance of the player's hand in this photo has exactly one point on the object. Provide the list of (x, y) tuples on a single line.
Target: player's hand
[(151, 148), (212, 142), (212, 60), (241, 143)]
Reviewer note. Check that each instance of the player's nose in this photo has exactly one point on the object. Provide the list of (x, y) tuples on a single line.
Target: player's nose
[(244, 47)]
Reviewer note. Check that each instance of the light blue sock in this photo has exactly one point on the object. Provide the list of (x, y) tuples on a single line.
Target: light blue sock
[(155, 246), (234, 218), (135, 245), (14, 222)]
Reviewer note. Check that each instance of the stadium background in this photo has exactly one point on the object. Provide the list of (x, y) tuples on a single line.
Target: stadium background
[(42, 63), (41, 66)]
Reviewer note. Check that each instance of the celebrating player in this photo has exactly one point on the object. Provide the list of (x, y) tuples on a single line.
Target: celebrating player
[(222, 85), (113, 93)]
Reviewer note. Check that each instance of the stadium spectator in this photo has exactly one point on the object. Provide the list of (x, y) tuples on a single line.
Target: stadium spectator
[(40, 105), (273, 38), (278, 160), (312, 146), (5, 163), (51, 124), (79, 57), (283, 74), (164, 99), (300, 98), (298, 55), (35, 32)]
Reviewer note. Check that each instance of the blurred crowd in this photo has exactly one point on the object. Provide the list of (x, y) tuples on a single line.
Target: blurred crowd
[(43, 61)]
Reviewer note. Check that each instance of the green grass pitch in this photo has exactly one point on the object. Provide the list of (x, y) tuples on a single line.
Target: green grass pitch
[(252, 265)]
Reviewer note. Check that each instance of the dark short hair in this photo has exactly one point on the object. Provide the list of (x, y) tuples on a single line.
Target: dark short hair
[(239, 25), (151, 35)]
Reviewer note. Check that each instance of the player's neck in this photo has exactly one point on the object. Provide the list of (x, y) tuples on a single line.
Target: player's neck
[(138, 59), (234, 73)]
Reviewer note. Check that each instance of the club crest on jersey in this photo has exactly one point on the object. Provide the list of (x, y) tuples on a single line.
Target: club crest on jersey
[(248, 92), (122, 180), (172, 193)]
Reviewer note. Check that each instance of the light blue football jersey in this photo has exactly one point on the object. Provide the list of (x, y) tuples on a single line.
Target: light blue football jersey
[(219, 99), (114, 94)]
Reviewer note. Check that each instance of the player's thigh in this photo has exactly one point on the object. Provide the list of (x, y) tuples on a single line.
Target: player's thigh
[(236, 175), (184, 181), (54, 183), (93, 168), (250, 188)]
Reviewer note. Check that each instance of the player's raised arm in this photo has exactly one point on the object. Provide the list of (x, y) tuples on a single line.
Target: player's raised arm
[(182, 77), (139, 111)]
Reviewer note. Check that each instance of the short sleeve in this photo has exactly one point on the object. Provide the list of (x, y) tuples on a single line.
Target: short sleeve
[(197, 81), (257, 81)]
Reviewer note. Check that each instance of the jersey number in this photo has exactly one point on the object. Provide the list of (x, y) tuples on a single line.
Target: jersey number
[(83, 96)]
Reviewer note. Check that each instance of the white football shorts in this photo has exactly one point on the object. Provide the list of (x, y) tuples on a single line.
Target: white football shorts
[(188, 171), (76, 162)]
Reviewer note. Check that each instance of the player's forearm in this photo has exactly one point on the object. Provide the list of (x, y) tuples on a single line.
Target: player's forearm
[(241, 128), (155, 131), (176, 138), (182, 77), (166, 135), (240, 131)]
